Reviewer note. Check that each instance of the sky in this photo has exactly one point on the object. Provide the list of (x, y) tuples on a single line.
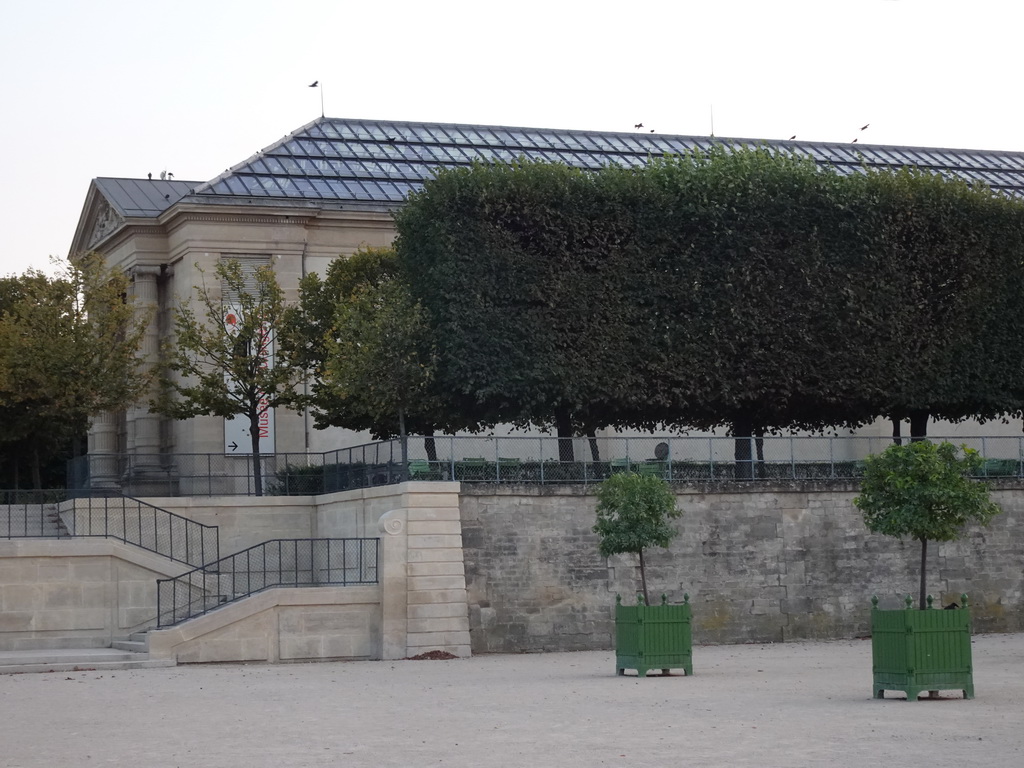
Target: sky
[(112, 88)]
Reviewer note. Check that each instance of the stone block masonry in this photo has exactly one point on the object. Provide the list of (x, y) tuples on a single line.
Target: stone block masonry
[(761, 564), (423, 577)]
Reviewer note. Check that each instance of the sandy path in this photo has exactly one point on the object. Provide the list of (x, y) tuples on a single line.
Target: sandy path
[(797, 704)]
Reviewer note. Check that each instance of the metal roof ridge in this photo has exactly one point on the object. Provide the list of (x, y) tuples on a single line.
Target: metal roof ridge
[(693, 137)]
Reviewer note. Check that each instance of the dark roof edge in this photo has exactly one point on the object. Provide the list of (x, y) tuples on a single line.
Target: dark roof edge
[(591, 132)]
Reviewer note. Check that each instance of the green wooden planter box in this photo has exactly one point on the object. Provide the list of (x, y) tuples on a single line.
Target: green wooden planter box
[(653, 637), (915, 651)]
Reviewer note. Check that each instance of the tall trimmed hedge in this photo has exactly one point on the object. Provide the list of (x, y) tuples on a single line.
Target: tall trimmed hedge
[(742, 287)]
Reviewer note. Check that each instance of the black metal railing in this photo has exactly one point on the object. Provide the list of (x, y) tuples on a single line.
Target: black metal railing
[(32, 514), (532, 460), (276, 563), (139, 523), (64, 514)]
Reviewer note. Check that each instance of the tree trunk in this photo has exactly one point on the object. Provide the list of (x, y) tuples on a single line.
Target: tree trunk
[(257, 467), (742, 428), (563, 423), (430, 445), (924, 565), (643, 578), (37, 473), (595, 451), (897, 436), (918, 425)]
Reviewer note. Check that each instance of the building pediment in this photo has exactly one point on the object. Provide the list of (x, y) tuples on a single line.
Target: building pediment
[(113, 204), (105, 221)]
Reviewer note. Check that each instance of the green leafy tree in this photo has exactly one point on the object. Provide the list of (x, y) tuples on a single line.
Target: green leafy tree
[(520, 270), (942, 268), (379, 358), (746, 255), (924, 491), (351, 292), (309, 323), (738, 287), (633, 513), (223, 357), (68, 351)]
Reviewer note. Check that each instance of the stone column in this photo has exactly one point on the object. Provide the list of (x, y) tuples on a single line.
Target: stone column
[(102, 453), (144, 426)]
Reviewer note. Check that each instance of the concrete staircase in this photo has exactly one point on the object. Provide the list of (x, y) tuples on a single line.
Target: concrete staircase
[(130, 653)]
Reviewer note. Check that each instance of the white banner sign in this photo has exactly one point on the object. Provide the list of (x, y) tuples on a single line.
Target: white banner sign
[(237, 432)]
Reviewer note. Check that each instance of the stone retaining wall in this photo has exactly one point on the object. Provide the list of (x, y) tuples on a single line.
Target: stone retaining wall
[(781, 563), (75, 593)]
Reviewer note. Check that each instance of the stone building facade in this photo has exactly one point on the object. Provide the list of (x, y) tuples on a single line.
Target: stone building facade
[(329, 188)]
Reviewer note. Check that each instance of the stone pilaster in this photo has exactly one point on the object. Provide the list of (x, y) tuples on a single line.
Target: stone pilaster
[(144, 426), (423, 578), (102, 458)]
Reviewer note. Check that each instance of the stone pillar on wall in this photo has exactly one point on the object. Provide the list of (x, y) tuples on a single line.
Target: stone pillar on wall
[(102, 454), (423, 581), (144, 426)]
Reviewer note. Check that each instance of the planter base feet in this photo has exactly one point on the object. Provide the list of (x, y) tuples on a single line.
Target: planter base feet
[(621, 671), (913, 694)]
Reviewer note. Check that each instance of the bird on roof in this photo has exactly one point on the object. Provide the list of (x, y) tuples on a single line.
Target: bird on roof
[(639, 125), (150, 175), (792, 137)]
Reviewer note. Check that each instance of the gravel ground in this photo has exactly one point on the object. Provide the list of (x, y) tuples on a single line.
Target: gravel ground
[(794, 704)]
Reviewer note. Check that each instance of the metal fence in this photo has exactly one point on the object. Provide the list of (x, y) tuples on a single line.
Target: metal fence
[(276, 563), (33, 514), (532, 460), (62, 513)]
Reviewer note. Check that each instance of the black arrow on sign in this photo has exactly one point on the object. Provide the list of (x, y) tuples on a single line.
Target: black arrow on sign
[(233, 445)]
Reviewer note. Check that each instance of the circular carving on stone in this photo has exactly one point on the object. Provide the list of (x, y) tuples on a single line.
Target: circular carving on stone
[(393, 526)]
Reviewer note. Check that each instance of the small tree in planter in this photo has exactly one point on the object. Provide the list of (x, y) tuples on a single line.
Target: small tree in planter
[(634, 513), (924, 491)]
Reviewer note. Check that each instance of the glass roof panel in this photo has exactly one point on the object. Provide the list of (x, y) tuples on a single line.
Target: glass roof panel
[(304, 187), (273, 164), (234, 185), (252, 185), (274, 186), (321, 188), (400, 155), (458, 134)]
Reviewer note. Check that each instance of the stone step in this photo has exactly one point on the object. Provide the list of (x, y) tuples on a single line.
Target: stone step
[(133, 646), (76, 660)]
